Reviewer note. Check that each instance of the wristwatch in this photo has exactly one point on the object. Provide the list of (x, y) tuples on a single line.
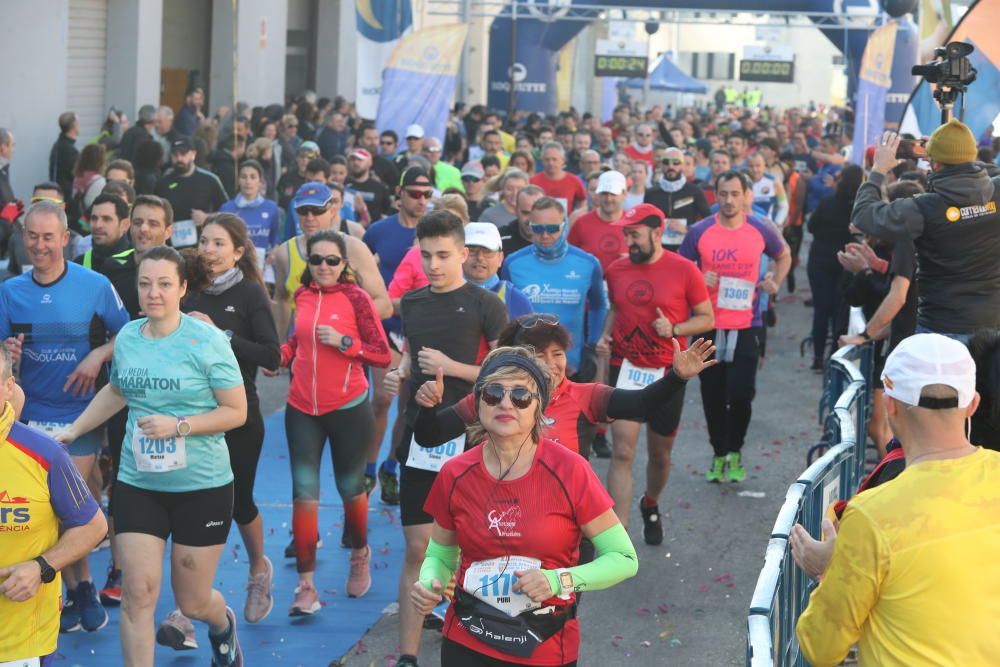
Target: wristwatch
[(183, 426), (229, 334), (345, 343), (48, 574), (864, 334), (565, 581)]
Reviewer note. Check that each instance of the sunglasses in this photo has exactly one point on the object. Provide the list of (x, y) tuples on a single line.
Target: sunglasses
[(546, 229), (387, 142), (315, 211), (291, 127), (672, 161), (331, 260), (471, 179), (419, 194), (520, 397), (531, 321)]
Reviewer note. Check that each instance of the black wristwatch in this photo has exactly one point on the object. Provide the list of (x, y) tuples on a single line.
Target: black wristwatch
[(345, 343), (864, 334), (48, 574)]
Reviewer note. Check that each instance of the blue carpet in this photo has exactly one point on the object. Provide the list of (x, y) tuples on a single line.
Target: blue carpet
[(278, 639)]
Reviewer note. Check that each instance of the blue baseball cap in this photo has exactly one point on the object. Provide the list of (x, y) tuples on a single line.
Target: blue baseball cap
[(313, 193)]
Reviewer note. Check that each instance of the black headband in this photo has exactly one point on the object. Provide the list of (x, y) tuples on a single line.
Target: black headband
[(529, 366)]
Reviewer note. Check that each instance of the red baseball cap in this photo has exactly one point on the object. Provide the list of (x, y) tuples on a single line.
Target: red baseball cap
[(642, 214)]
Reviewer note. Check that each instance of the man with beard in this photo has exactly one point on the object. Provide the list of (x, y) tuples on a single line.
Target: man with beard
[(656, 297), (728, 248), (681, 202), (376, 194), (192, 191)]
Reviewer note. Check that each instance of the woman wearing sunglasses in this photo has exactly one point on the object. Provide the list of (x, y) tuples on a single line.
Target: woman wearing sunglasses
[(337, 332), (576, 408), (516, 577)]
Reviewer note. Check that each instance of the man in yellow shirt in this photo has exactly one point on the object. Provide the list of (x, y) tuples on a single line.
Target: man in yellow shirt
[(913, 579)]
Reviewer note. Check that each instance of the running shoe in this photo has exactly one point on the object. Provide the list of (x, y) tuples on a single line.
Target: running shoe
[(290, 549), (226, 649), (177, 632), (717, 471), (734, 468), (93, 616), (111, 594), (369, 484), (69, 618), (652, 526), (306, 602), (259, 599), (359, 579), (600, 447), (390, 487), (407, 661)]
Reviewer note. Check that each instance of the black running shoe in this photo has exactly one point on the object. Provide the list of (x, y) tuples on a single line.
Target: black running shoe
[(652, 525)]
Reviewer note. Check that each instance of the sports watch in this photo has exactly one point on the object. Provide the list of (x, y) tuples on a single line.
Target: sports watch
[(183, 426), (47, 574), (345, 343), (565, 581)]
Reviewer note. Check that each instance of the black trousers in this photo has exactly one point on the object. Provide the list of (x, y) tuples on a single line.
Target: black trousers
[(727, 393)]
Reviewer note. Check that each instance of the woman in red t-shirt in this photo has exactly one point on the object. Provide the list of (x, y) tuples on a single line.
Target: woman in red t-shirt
[(515, 507)]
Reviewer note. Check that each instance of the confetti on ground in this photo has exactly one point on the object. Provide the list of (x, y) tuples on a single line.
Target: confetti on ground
[(675, 642), (751, 494), (642, 610), (683, 504), (645, 644), (664, 608), (703, 588)]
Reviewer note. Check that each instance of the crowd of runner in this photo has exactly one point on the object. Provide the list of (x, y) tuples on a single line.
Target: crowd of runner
[(514, 286)]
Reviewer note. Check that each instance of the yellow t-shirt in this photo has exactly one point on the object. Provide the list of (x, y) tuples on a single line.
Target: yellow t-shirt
[(296, 265), (40, 489), (914, 577)]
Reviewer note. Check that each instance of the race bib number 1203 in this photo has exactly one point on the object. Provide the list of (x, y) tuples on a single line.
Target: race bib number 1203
[(158, 454)]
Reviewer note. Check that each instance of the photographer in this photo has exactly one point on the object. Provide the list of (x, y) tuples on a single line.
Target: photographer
[(955, 228)]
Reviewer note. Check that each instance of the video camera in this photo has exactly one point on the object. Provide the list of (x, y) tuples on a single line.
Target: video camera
[(952, 72)]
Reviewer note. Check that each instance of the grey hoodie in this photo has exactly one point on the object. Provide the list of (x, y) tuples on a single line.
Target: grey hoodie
[(956, 232)]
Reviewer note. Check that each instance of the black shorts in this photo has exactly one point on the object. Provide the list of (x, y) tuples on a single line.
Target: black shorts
[(414, 485), (193, 518), (664, 422)]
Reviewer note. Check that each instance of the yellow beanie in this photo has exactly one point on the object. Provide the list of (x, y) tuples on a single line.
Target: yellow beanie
[(952, 143)]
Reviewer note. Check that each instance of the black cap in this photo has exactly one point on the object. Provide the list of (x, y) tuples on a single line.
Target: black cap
[(182, 145), (413, 175)]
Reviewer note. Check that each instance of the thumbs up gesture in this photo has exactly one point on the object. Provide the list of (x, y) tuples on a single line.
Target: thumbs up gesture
[(431, 393), (663, 325)]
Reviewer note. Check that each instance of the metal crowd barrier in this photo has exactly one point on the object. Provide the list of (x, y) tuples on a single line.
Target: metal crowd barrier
[(782, 591)]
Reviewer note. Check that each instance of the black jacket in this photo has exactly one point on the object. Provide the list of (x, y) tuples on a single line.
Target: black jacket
[(830, 226), (62, 159), (133, 136), (689, 203)]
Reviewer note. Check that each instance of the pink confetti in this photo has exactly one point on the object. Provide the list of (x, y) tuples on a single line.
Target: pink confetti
[(664, 608), (791, 437), (703, 588), (776, 442), (642, 610), (757, 468), (683, 504)]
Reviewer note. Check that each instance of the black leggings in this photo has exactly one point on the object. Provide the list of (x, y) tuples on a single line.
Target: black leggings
[(727, 393), (824, 280), (244, 445), (454, 654), (349, 431)]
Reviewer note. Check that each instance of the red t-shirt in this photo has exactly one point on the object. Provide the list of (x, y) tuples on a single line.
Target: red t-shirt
[(538, 515), (672, 284), (635, 154), (568, 188), (594, 234)]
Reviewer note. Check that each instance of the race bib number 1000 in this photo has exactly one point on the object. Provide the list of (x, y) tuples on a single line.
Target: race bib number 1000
[(432, 458), (158, 455), (492, 581)]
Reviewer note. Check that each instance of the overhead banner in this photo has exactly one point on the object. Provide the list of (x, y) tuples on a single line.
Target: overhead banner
[(380, 24), (419, 81), (874, 80)]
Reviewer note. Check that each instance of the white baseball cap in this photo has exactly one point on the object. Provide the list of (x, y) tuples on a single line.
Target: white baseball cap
[(414, 131), (483, 235), (611, 181), (926, 359)]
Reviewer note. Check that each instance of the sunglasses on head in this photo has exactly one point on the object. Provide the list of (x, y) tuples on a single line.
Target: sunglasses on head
[(312, 210), (35, 200), (546, 229), (671, 161), (419, 194), (520, 397), (531, 321), (331, 260)]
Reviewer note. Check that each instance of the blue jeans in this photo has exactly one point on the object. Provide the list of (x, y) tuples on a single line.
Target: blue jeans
[(961, 338)]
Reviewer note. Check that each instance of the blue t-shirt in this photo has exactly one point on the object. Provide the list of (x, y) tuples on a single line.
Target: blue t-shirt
[(57, 322), (201, 360), (262, 218), (390, 241), (571, 288)]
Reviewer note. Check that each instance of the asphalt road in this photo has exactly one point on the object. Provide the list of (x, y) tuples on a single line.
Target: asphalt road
[(687, 605)]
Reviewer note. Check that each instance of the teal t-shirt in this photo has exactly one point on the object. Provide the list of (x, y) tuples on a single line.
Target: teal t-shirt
[(174, 376)]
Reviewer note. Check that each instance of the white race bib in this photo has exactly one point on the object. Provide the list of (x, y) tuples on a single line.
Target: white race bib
[(672, 237), (152, 455), (492, 581), (50, 429), (432, 458), (735, 294), (261, 257), (22, 662), (637, 377), (184, 234)]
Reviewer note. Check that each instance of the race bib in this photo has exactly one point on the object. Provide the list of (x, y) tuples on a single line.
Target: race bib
[(158, 455), (261, 257), (23, 662), (735, 294), (432, 458), (637, 377), (184, 234), (492, 581), (269, 275), (673, 237), (50, 429)]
